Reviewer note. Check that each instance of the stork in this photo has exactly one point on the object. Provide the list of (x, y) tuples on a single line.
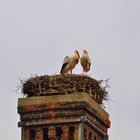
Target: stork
[(85, 61), (69, 63)]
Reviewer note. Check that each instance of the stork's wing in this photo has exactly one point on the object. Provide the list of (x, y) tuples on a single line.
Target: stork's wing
[(77, 60), (81, 59), (89, 63), (65, 62)]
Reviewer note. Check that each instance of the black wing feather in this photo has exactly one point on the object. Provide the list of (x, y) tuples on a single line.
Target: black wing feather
[(89, 65), (63, 66)]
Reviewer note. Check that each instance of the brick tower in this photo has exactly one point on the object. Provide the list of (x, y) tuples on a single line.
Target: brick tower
[(63, 108)]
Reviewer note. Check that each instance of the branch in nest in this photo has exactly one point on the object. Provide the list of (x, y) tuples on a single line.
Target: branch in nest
[(106, 83)]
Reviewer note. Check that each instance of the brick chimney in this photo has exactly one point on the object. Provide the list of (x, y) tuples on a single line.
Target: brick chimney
[(66, 116)]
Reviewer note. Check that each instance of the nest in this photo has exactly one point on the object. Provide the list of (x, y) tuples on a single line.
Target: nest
[(64, 84)]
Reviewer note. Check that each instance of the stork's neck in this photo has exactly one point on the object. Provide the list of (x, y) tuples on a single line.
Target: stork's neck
[(77, 55), (85, 54)]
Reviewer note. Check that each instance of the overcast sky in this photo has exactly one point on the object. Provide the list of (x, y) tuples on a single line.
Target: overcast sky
[(35, 36)]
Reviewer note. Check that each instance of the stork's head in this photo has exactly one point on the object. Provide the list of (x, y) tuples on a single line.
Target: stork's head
[(84, 51), (77, 53)]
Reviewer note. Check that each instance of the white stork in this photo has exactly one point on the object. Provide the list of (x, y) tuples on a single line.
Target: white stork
[(69, 63), (85, 61)]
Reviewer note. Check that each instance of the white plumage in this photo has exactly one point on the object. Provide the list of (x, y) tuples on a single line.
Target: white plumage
[(69, 63), (85, 61)]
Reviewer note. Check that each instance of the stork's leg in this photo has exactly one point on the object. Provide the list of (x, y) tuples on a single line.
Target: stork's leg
[(68, 72), (83, 71)]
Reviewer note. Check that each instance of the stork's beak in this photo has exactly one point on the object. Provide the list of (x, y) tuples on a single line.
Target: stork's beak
[(77, 53), (84, 51)]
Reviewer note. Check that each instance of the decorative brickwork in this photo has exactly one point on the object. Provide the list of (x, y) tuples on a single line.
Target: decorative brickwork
[(75, 133), (65, 135), (26, 134), (63, 117), (52, 133), (39, 134)]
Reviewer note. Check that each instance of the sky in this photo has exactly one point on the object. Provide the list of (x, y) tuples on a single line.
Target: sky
[(36, 35)]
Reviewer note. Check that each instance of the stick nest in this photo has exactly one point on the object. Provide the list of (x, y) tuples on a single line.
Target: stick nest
[(65, 84)]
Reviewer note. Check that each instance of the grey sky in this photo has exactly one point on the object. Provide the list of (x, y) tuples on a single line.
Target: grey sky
[(35, 36)]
